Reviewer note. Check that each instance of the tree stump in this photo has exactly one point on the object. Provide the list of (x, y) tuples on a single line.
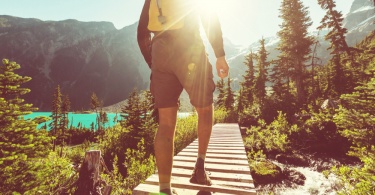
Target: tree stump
[(89, 175)]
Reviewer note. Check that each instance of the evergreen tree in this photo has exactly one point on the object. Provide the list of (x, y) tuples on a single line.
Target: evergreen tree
[(261, 79), (333, 21), (240, 102), (133, 111), (101, 116), (315, 88), (150, 104), (229, 96), (280, 79), (336, 35), (247, 85), (56, 115), (95, 105), (20, 141), (220, 101), (65, 107), (136, 124), (136, 118), (295, 45), (356, 119)]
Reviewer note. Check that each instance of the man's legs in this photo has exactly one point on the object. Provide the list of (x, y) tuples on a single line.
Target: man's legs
[(164, 145)]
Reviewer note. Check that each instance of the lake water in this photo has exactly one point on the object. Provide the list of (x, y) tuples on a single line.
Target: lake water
[(85, 120)]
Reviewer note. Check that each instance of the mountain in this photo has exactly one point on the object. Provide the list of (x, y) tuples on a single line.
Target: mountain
[(82, 57), (360, 20)]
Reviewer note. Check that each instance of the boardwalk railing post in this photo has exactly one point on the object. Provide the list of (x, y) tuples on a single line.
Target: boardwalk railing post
[(89, 175)]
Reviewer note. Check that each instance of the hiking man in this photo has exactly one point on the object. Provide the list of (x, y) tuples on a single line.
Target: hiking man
[(178, 60)]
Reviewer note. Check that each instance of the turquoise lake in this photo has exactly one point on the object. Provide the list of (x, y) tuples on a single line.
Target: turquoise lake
[(84, 119), (87, 119)]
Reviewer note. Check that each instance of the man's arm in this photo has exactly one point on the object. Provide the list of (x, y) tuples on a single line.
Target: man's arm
[(143, 34), (212, 27)]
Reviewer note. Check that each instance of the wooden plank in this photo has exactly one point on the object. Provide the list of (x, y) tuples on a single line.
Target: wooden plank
[(211, 151), (211, 155), (237, 177), (212, 167), (220, 145), (212, 160), (195, 147)]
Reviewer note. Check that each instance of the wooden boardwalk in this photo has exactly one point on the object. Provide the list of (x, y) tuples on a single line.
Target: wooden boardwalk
[(226, 161)]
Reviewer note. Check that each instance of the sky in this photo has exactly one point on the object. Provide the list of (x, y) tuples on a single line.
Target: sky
[(243, 21)]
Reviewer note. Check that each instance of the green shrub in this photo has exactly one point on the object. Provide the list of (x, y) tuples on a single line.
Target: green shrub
[(52, 175), (319, 133), (270, 138), (220, 115), (138, 166), (186, 132), (356, 119)]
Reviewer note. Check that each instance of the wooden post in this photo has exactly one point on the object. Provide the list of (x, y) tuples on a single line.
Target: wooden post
[(89, 175)]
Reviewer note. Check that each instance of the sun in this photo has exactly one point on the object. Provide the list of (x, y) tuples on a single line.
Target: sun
[(217, 5)]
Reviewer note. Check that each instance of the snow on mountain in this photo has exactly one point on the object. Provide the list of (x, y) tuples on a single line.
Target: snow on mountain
[(359, 21)]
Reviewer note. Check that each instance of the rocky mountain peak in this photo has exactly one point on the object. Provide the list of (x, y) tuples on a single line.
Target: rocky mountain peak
[(358, 4), (82, 57), (360, 20)]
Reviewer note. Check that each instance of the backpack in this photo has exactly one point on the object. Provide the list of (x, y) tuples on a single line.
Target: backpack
[(167, 14)]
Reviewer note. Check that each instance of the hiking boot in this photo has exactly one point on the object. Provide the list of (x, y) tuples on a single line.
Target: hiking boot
[(168, 192), (200, 176)]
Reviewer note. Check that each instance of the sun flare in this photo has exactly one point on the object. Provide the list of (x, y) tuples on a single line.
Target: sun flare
[(217, 5)]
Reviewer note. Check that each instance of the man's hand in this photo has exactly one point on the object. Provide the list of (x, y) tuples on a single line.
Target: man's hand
[(222, 67)]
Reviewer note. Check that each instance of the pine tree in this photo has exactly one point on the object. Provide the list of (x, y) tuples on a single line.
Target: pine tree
[(315, 88), (295, 45), (65, 107), (20, 141), (280, 79), (240, 102), (356, 119), (333, 21), (150, 104), (220, 101), (97, 106), (133, 111), (247, 86), (261, 79), (56, 115), (137, 118), (336, 35), (229, 96)]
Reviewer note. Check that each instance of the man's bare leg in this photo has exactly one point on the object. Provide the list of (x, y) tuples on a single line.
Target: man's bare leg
[(164, 145), (205, 121)]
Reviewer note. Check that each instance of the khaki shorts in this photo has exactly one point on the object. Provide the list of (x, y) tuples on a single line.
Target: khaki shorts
[(180, 62)]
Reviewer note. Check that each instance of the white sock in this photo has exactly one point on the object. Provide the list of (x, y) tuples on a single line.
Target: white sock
[(163, 186)]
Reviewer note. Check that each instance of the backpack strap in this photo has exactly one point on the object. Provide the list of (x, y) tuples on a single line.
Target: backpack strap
[(161, 18), (143, 34)]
